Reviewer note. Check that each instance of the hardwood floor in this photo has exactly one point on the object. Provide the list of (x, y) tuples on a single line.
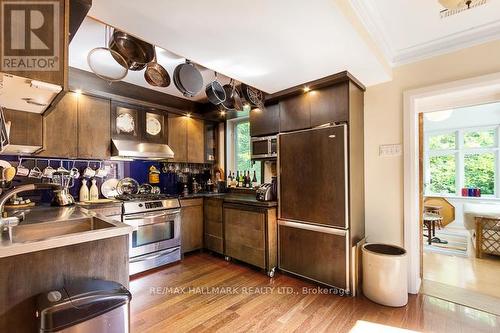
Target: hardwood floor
[(192, 304), (473, 274)]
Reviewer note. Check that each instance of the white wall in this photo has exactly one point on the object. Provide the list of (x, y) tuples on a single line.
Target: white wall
[(384, 125)]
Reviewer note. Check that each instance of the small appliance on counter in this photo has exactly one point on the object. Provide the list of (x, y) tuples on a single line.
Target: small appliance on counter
[(267, 191)]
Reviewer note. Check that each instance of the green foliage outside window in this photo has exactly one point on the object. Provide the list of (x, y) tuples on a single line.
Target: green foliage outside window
[(442, 169), (480, 172), (442, 141), (479, 139), (243, 151), (479, 167)]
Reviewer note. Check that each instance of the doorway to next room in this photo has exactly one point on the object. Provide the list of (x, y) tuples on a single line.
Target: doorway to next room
[(461, 204)]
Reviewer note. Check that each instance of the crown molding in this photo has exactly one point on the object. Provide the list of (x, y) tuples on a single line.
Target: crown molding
[(369, 17), (461, 40)]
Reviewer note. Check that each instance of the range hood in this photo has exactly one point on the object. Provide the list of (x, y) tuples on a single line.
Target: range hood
[(128, 149)]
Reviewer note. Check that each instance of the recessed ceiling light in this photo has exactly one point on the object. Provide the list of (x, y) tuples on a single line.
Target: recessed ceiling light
[(306, 89)]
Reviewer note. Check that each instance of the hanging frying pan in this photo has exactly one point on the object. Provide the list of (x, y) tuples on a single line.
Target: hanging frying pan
[(156, 75), (228, 104), (252, 95), (233, 99), (188, 79), (215, 92), (136, 52)]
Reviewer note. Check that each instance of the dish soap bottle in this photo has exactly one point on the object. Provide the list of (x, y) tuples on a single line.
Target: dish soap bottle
[(94, 191), (84, 191)]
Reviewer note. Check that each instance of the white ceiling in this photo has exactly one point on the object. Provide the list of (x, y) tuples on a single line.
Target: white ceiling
[(472, 116), (271, 45), (411, 30)]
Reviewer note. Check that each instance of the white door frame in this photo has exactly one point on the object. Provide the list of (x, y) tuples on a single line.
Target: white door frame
[(473, 91)]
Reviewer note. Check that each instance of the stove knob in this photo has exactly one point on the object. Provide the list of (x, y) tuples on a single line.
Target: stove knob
[(140, 205)]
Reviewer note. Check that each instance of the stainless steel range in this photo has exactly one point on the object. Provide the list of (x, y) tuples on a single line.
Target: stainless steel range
[(156, 238)]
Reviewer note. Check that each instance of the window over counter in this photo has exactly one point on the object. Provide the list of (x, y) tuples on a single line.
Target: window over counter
[(238, 149), (462, 158)]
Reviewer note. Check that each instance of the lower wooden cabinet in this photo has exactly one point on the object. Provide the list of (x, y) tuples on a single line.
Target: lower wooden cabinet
[(214, 233), (318, 253), (191, 224), (250, 235)]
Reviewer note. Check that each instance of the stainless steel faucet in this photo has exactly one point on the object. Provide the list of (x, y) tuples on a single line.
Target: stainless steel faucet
[(6, 223)]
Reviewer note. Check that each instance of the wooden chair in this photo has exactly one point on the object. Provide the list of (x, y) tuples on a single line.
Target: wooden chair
[(487, 236)]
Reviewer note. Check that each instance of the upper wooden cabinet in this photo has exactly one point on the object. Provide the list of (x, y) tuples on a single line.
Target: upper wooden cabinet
[(195, 141), (177, 137), (331, 100), (78, 126), (295, 113), (329, 105), (94, 137), (25, 129), (186, 137), (265, 121), (60, 129)]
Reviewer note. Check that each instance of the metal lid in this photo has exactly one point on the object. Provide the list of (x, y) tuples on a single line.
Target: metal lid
[(77, 302)]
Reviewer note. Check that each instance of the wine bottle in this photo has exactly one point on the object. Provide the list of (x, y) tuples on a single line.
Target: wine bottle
[(254, 179), (247, 180), (238, 178)]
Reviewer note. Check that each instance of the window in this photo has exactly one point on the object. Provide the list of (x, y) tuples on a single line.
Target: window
[(240, 150), (462, 158), (442, 174)]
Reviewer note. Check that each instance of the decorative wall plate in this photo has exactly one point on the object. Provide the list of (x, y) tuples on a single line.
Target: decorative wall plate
[(125, 123), (153, 125)]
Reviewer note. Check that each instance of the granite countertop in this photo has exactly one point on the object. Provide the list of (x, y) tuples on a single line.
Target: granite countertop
[(44, 215), (245, 199)]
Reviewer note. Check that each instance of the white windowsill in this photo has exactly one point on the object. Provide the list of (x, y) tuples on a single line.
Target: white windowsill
[(463, 198)]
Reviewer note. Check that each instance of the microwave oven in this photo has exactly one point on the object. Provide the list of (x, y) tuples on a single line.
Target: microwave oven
[(264, 147)]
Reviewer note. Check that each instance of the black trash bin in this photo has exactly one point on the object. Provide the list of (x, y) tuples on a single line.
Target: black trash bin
[(95, 306)]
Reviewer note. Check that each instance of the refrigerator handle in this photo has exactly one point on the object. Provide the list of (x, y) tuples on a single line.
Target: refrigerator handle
[(304, 226)]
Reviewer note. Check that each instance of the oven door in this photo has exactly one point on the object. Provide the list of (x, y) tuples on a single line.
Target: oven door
[(153, 231)]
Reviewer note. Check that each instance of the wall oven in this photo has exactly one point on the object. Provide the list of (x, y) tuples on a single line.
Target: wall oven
[(265, 147), (155, 239)]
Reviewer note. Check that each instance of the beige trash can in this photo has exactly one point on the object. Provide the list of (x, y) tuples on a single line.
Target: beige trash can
[(385, 277)]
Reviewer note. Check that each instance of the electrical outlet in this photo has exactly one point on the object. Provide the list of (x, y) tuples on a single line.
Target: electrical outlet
[(390, 150)]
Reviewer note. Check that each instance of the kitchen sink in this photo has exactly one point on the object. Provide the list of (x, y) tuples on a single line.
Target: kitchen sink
[(23, 233)]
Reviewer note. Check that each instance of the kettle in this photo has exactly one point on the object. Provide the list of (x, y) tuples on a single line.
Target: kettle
[(62, 197)]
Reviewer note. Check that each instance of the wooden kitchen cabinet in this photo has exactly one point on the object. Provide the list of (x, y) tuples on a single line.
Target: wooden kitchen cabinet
[(329, 105), (265, 121), (213, 233), (177, 137), (94, 123), (195, 140), (60, 129), (250, 235), (25, 129), (186, 137), (295, 113), (327, 249), (191, 224)]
